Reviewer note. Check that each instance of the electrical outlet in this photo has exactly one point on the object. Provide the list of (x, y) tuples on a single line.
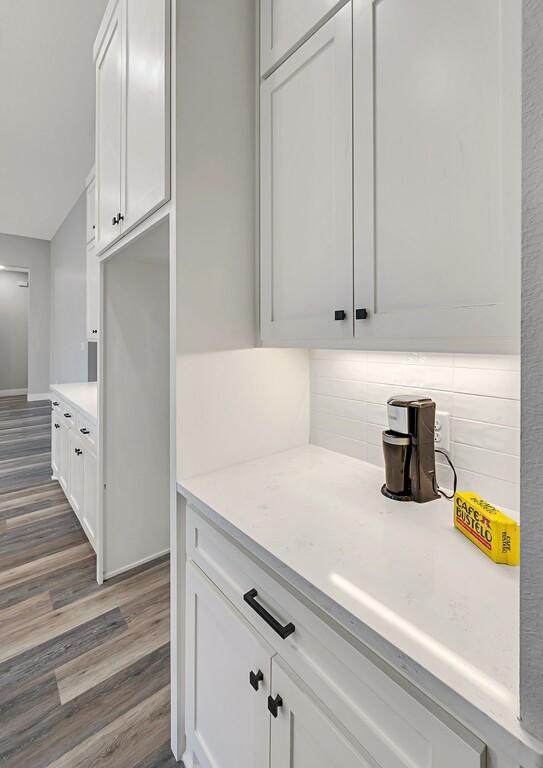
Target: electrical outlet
[(442, 434)]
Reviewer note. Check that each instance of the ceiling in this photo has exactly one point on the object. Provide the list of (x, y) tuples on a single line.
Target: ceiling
[(47, 110)]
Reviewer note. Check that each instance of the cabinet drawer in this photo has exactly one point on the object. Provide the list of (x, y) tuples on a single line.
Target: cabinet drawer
[(392, 726), (87, 431), (67, 416)]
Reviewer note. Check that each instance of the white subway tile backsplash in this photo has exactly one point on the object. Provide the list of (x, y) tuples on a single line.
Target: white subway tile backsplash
[(339, 406), (494, 410), (340, 444), (481, 393), (491, 383), (490, 436), (356, 430), (484, 462), (489, 362)]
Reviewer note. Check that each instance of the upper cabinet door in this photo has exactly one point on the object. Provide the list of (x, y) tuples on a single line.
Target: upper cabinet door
[(437, 116), (146, 120), (109, 77), (306, 190), (284, 23)]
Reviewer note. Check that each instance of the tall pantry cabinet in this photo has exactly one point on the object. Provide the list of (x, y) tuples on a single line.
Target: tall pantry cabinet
[(131, 54), (390, 210)]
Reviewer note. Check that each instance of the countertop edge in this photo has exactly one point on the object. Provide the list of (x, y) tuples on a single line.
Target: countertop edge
[(55, 388), (517, 744)]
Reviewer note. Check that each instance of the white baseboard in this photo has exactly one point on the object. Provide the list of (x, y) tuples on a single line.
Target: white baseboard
[(12, 392), (45, 396), (125, 568)]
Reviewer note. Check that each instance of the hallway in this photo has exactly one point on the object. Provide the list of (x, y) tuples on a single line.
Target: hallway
[(82, 667)]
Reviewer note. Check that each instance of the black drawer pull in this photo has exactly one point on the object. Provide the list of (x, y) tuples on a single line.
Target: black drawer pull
[(55, 403), (282, 631), (255, 678), (57, 426), (84, 431), (274, 704), (78, 451), (68, 415)]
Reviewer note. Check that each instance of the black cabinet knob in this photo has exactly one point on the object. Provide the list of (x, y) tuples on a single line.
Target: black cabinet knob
[(67, 415), (94, 226), (120, 217), (55, 403), (255, 678), (274, 704), (114, 220), (84, 431), (340, 314), (57, 426), (361, 313), (78, 451)]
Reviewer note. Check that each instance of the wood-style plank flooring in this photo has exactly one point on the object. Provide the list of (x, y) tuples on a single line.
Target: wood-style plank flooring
[(84, 670)]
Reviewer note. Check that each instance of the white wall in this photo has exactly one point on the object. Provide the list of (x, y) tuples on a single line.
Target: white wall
[(13, 332), (481, 393), (68, 297), (531, 573), (33, 255), (234, 402)]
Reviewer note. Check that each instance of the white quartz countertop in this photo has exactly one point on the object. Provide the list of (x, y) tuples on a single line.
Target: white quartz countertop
[(82, 395), (398, 576)]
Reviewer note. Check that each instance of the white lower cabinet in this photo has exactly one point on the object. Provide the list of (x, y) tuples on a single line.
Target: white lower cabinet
[(74, 464), (64, 457), (303, 733), (228, 668), (318, 701), (90, 489), (55, 447), (75, 486)]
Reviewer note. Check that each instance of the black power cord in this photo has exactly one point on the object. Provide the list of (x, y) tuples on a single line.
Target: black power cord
[(451, 465)]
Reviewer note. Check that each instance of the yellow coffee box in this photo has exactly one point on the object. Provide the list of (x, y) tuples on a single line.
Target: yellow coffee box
[(489, 529)]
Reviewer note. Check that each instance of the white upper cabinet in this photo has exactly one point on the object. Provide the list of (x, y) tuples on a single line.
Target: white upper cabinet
[(93, 265), (306, 190), (146, 157), (109, 79), (132, 55), (285, 23), (437, 173), (396, 202)]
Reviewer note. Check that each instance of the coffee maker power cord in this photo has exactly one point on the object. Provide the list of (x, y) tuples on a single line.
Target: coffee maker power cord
[(451, 465)]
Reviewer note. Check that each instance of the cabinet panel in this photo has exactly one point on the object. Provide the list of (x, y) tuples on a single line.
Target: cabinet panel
[(437, 161), (91, 208), (109, 76), (75, 484), (64, 456), (93, 294), (145, 155), (90, 490), (304, 735), (55, 446), (306, 189), (227, 720), (284, 23)]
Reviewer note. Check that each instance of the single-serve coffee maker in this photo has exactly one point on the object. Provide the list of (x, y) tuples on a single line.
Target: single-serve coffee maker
[(408, 447)]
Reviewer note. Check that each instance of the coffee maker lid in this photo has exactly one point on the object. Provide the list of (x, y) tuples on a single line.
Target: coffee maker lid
[(404, 401)]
